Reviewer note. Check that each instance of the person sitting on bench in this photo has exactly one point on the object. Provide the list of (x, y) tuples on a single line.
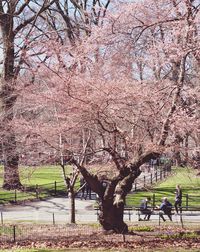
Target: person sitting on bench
[(144, 208), (166, 208)]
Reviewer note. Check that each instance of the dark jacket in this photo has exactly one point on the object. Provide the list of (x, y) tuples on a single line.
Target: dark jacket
[(166, 207)]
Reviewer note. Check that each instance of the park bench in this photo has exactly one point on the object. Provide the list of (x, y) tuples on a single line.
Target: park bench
[(155, 212), (127, 211), (190, 211), (185, 211), (190, 208)]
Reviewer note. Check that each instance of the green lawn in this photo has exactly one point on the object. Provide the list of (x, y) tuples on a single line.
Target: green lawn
[(46, 176), (188, 180), (38, 175), (48, 180)]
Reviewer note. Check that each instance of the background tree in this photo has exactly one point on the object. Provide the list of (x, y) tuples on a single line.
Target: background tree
[(22, 25), (17, 21)]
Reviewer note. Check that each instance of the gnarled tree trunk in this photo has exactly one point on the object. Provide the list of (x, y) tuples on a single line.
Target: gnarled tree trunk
[(111, 217), (112, 192)]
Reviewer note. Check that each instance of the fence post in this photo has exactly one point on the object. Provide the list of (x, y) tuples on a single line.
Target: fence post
[(1, 218), (37, 191), (55, 187), (144, 181), (135, 186), (164, 173), (151, 179), (53, 219), (181, 219), (15, 195), (160, 174), (14, 233), (124, 238), (187, 201), (156, 176), (154, 200), (129, 215)]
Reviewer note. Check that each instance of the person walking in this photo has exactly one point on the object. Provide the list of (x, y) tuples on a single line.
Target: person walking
[(82, 187), (178, 199), (88, 191)]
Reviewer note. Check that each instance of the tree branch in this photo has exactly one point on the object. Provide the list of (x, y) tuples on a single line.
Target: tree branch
[(179, 84), (117, 159), (91, 179), (22, 8), (34, 17)]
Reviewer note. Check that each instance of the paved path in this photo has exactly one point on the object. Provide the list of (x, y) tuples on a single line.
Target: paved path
[(43, 212), (58, 209)]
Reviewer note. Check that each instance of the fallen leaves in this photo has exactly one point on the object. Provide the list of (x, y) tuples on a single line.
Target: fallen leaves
[(93, 238)]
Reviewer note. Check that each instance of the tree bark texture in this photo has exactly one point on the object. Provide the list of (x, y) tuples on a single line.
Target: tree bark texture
[(72, 206), (7, 100), (111, 217)]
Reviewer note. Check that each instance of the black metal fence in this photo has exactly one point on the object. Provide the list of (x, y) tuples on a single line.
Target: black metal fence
[(188, 201), (13, 233), (150, 178), (56, 188)]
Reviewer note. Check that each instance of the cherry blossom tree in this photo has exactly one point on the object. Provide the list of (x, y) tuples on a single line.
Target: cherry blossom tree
[(131, 86)]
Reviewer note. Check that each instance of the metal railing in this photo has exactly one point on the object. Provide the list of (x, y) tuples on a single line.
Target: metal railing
[(56, 188)]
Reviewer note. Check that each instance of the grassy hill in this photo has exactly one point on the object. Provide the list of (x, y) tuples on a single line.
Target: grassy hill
[(38, 175), (48, 180), (186, 178), (46, 176)]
